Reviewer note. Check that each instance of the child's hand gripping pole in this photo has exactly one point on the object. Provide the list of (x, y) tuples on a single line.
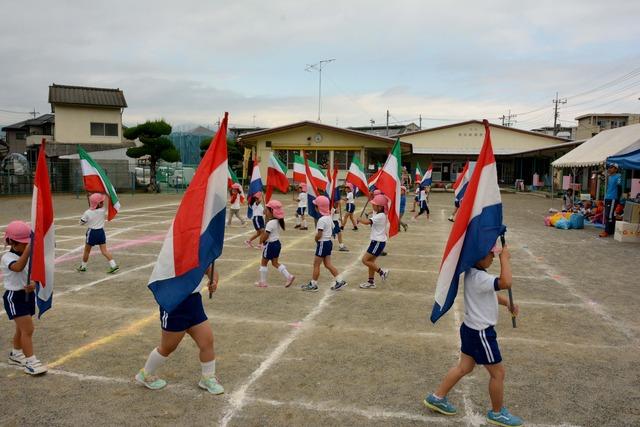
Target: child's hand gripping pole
[(364, 208), (213, 263), (513, 316)]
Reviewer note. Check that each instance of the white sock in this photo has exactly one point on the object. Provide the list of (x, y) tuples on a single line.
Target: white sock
[(283, 269), (338, 277), (263, 274), (17, 352), (84, 264), (112, 263), (297, 220), (314, 282), (208, 368), (304, 223), (154, 361), (341, 245)]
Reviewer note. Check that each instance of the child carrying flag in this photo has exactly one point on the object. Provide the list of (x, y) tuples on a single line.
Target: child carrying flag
[(234, 203), (350, 207), (19, 297), (403, 206), (270, 240), (94, 219), (301, 222), (324, 227), (379, 224), (337, 229), (255, 201), (424, 206)]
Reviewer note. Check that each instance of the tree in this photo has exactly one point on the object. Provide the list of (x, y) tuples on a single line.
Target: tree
[(154, 144), (234, 152)]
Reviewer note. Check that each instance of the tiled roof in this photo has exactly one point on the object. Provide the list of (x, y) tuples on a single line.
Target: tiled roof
[(79, 95), (38, 121)]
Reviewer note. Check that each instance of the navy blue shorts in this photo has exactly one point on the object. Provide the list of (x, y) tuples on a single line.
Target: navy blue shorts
[(481, 345), (189, 313), (424, 207), (324, 248), (351, 207), (336, 229), (258, 222), (417, 198), (300, 211), (456, 203), (271, 250), (16, 306), (375, 248), (96, 237)]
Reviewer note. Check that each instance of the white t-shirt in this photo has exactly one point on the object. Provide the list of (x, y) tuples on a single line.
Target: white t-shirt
[(480, 299), (325, 223), (236, 203), (335, 215), (258, 209), (379, 227), (13, 280), (94, 218), (302, 200), (423, 195), (350, 197), (273, 229)]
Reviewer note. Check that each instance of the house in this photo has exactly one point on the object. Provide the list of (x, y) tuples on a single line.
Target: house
[(383, 130), (590, 125), (566, 132), (17, 134)]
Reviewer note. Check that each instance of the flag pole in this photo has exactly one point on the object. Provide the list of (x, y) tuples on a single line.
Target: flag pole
[(26, 294), (513, 316), (213, 264)]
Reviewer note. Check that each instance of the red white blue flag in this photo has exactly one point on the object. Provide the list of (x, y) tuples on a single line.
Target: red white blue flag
[(255, 185), (462, 182), (196, 235), (475, 231), (426, 179), (312, 171)]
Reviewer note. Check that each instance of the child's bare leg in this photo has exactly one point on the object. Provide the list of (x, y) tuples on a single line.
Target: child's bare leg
[(255, 236), (316, 268), (496, 385), (340, 238), (85, 254), (17, 339), (464, 367), (203, 336), (169, 341), (264, 262), (353, 221), (105, 252), (25, 324), (275, 263), (329, 266)]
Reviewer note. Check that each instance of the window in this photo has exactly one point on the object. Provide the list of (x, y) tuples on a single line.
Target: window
[(21, 136), (342, 158), (104, 129), (322, 158)]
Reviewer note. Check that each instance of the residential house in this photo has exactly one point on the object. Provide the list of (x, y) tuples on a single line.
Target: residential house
[(590, 125)]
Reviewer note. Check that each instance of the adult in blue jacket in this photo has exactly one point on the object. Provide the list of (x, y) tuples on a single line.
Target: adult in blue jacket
[(611, 199)]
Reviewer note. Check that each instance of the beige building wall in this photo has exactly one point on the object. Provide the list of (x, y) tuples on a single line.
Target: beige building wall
[(73, 124), (588, 126)]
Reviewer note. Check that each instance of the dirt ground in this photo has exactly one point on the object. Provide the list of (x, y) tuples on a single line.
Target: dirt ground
[(353, 357)]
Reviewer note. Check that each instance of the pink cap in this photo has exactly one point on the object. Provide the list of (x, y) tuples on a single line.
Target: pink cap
[(350, 185), (236, 186), (257, 194), (95, 199), (276, 208), (18, 231), (377, 192), (380, 200), (322, 202), (402, 187), (303, 187)]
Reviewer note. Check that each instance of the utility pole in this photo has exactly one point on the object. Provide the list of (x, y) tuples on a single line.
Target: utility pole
[(372, 123), (34, 112), (318, 67), (555, 112), (420, 122), (254, 120), (506, 120), (387, 122)]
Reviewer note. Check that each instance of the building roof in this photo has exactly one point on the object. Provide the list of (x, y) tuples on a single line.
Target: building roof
[(80, 95), (38, 121), (584, 116), (479, 122)]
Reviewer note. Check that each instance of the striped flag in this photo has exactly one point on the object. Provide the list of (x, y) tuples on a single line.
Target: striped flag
[(389, 182), (426, 179), (276, 177), (477, 227), (356, 176), (232, 178), (312, 187), (462, 181), (196, 235), (299, 172), (334, 190), (97, 181), (255, 185), (44, 239), (418, 177)]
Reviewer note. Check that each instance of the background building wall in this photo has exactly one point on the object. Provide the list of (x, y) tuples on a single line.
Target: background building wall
[(73, 124)]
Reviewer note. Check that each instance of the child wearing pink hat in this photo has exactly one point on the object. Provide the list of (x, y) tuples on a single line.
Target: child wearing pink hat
[(255, 201), (94, 219), (19, 297), (301, 222), (350, 207), (270, 240), (324, 246), (379, 225), (234, 203)]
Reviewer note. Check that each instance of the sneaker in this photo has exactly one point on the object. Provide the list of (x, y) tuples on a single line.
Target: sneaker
[(343, 249), (367, 285), (35, 367), (355, 228), (450, 218), (248, 244), (17, 359), (297, 226), (503, 418), (309, 287), (81, 268), (383, 253), (442, 406), (261, 284), (603, 234), (338, 285), (405, 226), (211, 384), (150, 381), (342, 228), (113, 269), (385, 274), (304, 228), (290, 281)]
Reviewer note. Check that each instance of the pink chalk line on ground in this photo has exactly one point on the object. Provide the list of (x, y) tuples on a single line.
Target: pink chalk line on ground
[(115, 248)]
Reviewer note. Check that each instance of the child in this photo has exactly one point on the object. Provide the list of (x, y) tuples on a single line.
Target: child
[(301, 222), (424, 207), (19, 297), (187, 318), (234, 203), (337, 230), (378, 224), (350, 207), (94, 219), (479, 343), (258, 218), (270, 240), (416, 198), (403, 206), (324, 246), (567, 201)]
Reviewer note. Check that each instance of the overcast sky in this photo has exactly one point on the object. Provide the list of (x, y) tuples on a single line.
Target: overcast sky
[(189, 61)]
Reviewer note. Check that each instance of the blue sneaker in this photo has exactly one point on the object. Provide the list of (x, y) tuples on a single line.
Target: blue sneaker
[(503, 418), (442, 406)]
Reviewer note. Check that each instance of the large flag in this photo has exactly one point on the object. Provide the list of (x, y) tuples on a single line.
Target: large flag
[(97, 181), (356, 176), (426, 179), (232, 178), (276, 177), (418, 177), (312, 188), (333, 190), (196, 235), (299, 172), (477, 227), (389, 182), (44, 239), (373, 179), (462, 181), (255, 185)]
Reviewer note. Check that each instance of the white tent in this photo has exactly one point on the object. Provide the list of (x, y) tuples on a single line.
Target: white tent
[(607, 143)]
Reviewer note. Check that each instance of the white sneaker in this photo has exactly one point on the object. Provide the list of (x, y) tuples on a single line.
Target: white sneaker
[(35, 367), (211, 384), (17, 359), (385, 274), (367, 285), (150, 381)]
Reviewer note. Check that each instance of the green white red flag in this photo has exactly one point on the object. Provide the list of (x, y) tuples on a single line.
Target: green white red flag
[(356, 176), (389, 181), (97, 181), (299, 172), (276, 176)]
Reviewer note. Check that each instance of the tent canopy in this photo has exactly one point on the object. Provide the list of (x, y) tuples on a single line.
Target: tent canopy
[(595, 151), (627, 161)]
